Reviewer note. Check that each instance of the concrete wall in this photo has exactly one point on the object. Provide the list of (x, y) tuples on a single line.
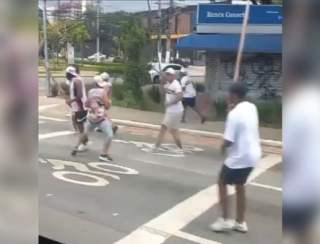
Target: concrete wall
[(261, 72)]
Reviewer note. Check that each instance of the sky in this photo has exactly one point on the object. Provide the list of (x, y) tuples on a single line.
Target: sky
[(130, 5)]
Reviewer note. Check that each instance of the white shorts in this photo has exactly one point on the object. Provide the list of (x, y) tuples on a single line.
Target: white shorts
[(172, 120)]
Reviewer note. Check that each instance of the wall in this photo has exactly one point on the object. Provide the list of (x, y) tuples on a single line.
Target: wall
[(261, 72)]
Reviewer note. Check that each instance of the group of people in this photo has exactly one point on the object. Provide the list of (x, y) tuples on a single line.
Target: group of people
[(89, 111), (241, 141), (241, 137)]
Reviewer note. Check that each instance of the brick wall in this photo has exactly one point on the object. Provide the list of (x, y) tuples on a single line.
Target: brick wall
[(261, 72)]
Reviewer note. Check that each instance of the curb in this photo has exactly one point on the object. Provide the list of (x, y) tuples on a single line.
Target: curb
[(264, 142)]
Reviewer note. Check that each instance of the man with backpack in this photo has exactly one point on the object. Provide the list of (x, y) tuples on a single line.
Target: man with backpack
[(98, 103)]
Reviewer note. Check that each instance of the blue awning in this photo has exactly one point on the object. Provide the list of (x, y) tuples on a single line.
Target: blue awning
[(255, 43)]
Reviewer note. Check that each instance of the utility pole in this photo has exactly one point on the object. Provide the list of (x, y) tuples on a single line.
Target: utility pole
[(45, 40), (236, 76), (159, 48), (168, 44), (98, 31)]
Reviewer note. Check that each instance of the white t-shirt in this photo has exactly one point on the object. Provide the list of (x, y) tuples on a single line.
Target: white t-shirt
[(301, 152), (171, 90), (188, 86), (242, 129)]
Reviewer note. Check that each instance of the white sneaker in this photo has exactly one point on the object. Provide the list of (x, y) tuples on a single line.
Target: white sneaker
[(241, 227), (82, 148), (179, 151), (222, 225)]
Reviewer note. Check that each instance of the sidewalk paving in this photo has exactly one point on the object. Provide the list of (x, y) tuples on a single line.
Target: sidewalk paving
[(193, 122)]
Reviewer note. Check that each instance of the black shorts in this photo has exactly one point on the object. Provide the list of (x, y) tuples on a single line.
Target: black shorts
[(189, 102), (230, 176), (298, 219), (81, 116)]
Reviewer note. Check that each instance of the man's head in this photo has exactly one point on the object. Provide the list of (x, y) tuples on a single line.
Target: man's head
[(237, 92), (71, 72), (170, 74), (102, 80)]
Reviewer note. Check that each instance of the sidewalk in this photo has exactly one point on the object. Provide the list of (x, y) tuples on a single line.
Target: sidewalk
[(192, 124), (133, 115)]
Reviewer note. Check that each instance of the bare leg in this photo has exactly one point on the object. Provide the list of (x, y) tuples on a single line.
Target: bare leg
[(74, 122), (223, 195), (197, 110), (161, 135), (183, 120), (83, 139), (241, 203), (107, 145), (176, 137)]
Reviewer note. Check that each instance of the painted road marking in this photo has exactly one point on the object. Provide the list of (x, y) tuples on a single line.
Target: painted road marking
[(272, 143), (84, 170), (52, 119), (171, 166), (266, 186), (55, 134), (194, 238), (185, 212), (98, 181), (45, 107)]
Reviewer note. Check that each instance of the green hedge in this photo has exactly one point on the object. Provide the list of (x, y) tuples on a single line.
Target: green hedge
[(270, 112)]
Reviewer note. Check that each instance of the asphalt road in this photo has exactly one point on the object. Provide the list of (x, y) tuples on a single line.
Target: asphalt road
[(142, 197)]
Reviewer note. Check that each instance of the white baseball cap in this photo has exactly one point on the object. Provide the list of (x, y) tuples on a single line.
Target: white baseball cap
[(105, 76), (71, 70), (100, 82), (170, 71)]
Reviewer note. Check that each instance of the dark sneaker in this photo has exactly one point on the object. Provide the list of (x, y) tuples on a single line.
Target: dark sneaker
[(115, 129), (203, 120), (74, 152), (105, 158)]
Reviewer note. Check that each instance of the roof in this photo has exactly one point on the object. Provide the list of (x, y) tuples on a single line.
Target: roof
[(254, 43)]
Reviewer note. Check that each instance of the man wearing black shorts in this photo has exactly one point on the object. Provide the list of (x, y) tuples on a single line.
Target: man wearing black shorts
[(241, 140), (76, 101), (189, 96)]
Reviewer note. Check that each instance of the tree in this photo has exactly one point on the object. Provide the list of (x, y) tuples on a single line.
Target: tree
[(110, 25), (133, 42), (62, 32), (79, 34)]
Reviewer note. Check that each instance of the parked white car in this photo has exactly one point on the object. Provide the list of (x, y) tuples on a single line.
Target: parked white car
[(154, 71), (94, 56)]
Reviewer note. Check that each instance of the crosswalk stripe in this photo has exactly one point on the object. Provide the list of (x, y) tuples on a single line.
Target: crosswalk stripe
[(55, 134)]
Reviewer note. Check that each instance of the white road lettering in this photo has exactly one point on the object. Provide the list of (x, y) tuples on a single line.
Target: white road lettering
[(103, 171), (98, 181)]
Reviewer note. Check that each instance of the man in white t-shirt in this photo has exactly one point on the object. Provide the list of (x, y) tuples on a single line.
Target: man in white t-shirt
[(189, 96), (174, 109), (242, 143)]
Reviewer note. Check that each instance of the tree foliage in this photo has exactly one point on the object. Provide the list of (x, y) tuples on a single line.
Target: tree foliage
[(62, 32), (133, 42)]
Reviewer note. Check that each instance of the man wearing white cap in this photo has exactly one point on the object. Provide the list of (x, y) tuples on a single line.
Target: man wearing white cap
[(77, 98), (97, 103), (189, 96), (174, 109)]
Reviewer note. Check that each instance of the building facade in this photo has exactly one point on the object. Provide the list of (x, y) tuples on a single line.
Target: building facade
[(261, 67)]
